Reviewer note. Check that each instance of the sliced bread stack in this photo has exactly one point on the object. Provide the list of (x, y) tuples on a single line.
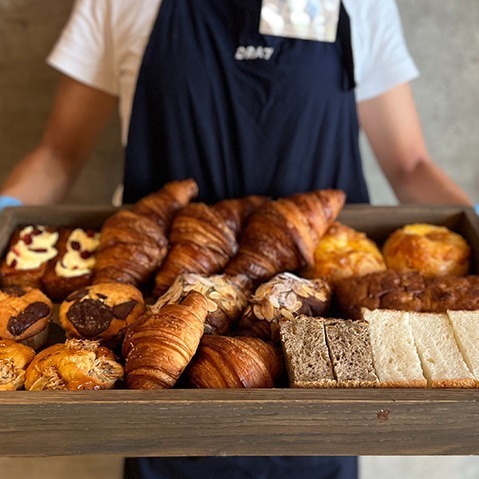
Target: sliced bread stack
[(386, 349)]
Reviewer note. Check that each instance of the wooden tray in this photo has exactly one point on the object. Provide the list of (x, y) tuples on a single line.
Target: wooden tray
[(186, 422)]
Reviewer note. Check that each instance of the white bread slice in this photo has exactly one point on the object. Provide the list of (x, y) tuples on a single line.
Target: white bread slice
[(466, 331), (441, 360), (395, 356), (350, 352), (306, 353)]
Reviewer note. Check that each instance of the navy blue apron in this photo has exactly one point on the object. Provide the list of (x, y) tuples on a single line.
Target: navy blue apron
[(240, 126)]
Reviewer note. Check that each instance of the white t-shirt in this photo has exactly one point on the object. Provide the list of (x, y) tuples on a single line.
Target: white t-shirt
[(102, 46)]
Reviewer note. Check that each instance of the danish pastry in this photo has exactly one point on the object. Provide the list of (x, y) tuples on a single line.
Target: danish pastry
[(429, 249), (74, 365)]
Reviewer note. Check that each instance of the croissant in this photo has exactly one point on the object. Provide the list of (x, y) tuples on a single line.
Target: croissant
[(234, 362), (134, 243), (282, 235), (158, 346), (203, 238)]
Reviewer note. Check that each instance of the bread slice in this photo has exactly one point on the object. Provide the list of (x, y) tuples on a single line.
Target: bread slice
[(395, 358), (441, 360), (306, 353), (465, 325), (350, 351)]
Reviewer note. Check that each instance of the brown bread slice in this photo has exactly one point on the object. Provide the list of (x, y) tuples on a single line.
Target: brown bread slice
[(306, 353), (351, 354)]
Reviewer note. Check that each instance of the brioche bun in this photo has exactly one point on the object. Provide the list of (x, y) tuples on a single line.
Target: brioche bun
[(14, 358), (429, 249), (344, 252)]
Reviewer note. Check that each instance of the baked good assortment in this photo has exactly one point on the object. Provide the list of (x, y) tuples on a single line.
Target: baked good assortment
[(25, 315), (77, 364), (101, 312), (344, 252), (247, 292), (431, 250), (14, 358)]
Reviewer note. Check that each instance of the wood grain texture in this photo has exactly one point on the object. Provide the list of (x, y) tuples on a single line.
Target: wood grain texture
[(245, 422), (240, 422)]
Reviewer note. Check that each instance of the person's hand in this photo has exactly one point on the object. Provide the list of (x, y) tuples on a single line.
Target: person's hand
[(476, 207), (6, 201)]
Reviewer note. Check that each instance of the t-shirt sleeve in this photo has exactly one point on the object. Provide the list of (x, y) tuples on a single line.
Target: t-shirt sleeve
[(85, 49), (387, 62)]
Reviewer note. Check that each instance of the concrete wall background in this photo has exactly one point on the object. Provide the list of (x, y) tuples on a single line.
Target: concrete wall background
[(442, 36)]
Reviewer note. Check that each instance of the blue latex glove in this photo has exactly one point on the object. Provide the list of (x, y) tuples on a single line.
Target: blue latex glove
[(6, 201), (476, 207)]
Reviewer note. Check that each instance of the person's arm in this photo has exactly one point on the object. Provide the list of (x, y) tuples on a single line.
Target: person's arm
[(392, 126), (78, 116)]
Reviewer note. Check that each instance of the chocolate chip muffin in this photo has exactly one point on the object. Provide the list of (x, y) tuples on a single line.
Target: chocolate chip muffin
[(103, 312), (24, 315)]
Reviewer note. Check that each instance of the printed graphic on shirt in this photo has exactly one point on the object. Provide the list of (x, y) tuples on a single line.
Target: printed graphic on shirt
[(250, 52), (303, 19)]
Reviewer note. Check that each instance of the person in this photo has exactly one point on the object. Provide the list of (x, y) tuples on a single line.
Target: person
[(203, 94)]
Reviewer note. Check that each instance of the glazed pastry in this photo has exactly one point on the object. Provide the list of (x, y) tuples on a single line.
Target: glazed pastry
[(74, 365), (344, 252), (429, 249), (282, 235), (14, 358), (283, 296), (406, 291), (24, 315), (72, 269), (203, 238), (101, 312), (158, 347), (227, 298), (227, 362), (134, 243), (31, 248)]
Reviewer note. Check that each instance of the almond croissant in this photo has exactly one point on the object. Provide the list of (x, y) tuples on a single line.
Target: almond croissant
[(134, 243), (234, 362), (203, 238), (227, 297), (158, 346), (282, 235)]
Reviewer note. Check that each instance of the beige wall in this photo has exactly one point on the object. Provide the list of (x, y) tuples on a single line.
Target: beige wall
[(442, 36)]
